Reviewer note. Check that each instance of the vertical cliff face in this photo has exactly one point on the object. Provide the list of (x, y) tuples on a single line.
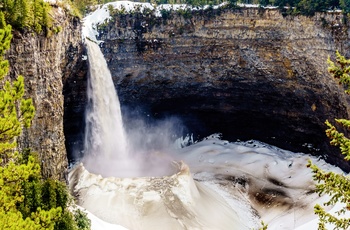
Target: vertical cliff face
[(248, 73), (46, 62)]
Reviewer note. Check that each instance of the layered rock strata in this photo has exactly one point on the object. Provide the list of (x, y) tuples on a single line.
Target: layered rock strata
[(45, 62)]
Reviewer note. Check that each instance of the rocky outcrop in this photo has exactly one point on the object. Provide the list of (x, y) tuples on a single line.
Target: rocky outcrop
[(247, 73), (46, 62)]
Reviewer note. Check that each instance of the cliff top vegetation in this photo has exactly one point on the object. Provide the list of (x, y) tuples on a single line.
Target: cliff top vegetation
[(35, 14), (27, 14), (304, 7)]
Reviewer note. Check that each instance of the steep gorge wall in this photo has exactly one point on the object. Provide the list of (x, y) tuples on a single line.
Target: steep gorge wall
[(247, 73), (46, 62)]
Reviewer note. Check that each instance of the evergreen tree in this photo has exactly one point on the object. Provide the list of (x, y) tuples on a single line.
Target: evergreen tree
[(264, 2), (15, 113), (22, 12), (26, 200), (345, 5), (333, 184), (27, 14), (310, 7)]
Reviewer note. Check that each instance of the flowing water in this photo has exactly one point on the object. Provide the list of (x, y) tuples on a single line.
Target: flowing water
[(105, 139), (107, 149), (104, 126)]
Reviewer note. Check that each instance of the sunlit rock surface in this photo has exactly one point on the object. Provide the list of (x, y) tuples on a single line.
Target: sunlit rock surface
[(46, 61)]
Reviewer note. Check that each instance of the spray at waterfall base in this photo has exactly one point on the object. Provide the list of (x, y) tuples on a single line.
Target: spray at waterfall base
[(244, 182)]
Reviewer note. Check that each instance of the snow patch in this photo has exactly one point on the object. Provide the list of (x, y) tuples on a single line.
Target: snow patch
[(102, 15), (98, 224)]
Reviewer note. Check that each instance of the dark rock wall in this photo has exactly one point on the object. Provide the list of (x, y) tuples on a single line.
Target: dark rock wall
[(247, 73), (45, 63), (75, 99)]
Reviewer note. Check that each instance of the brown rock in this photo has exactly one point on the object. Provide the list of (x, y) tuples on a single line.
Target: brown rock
[(45, 62)]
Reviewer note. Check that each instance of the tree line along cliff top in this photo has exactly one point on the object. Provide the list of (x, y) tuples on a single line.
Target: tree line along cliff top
[(35, 14), (304, 7)]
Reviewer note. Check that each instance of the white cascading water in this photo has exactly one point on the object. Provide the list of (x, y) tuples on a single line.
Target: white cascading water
[(107, 149), (105, 139)]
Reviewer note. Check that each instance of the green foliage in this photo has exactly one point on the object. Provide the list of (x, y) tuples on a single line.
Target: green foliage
[(338, 138), (292, 7), (5, 41), (186, 13), (337, 186), (166, 14), (42, 204), (15, 111), (307, 7), (264, 2), (263, 226), (81, 219), (81, 6), (345, 6), (232, 3), (341, 70), (26, 200), (27, 14)]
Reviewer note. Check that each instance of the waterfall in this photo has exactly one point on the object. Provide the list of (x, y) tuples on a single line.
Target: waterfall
[(104, 132), (107, 149), (222, 185)]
